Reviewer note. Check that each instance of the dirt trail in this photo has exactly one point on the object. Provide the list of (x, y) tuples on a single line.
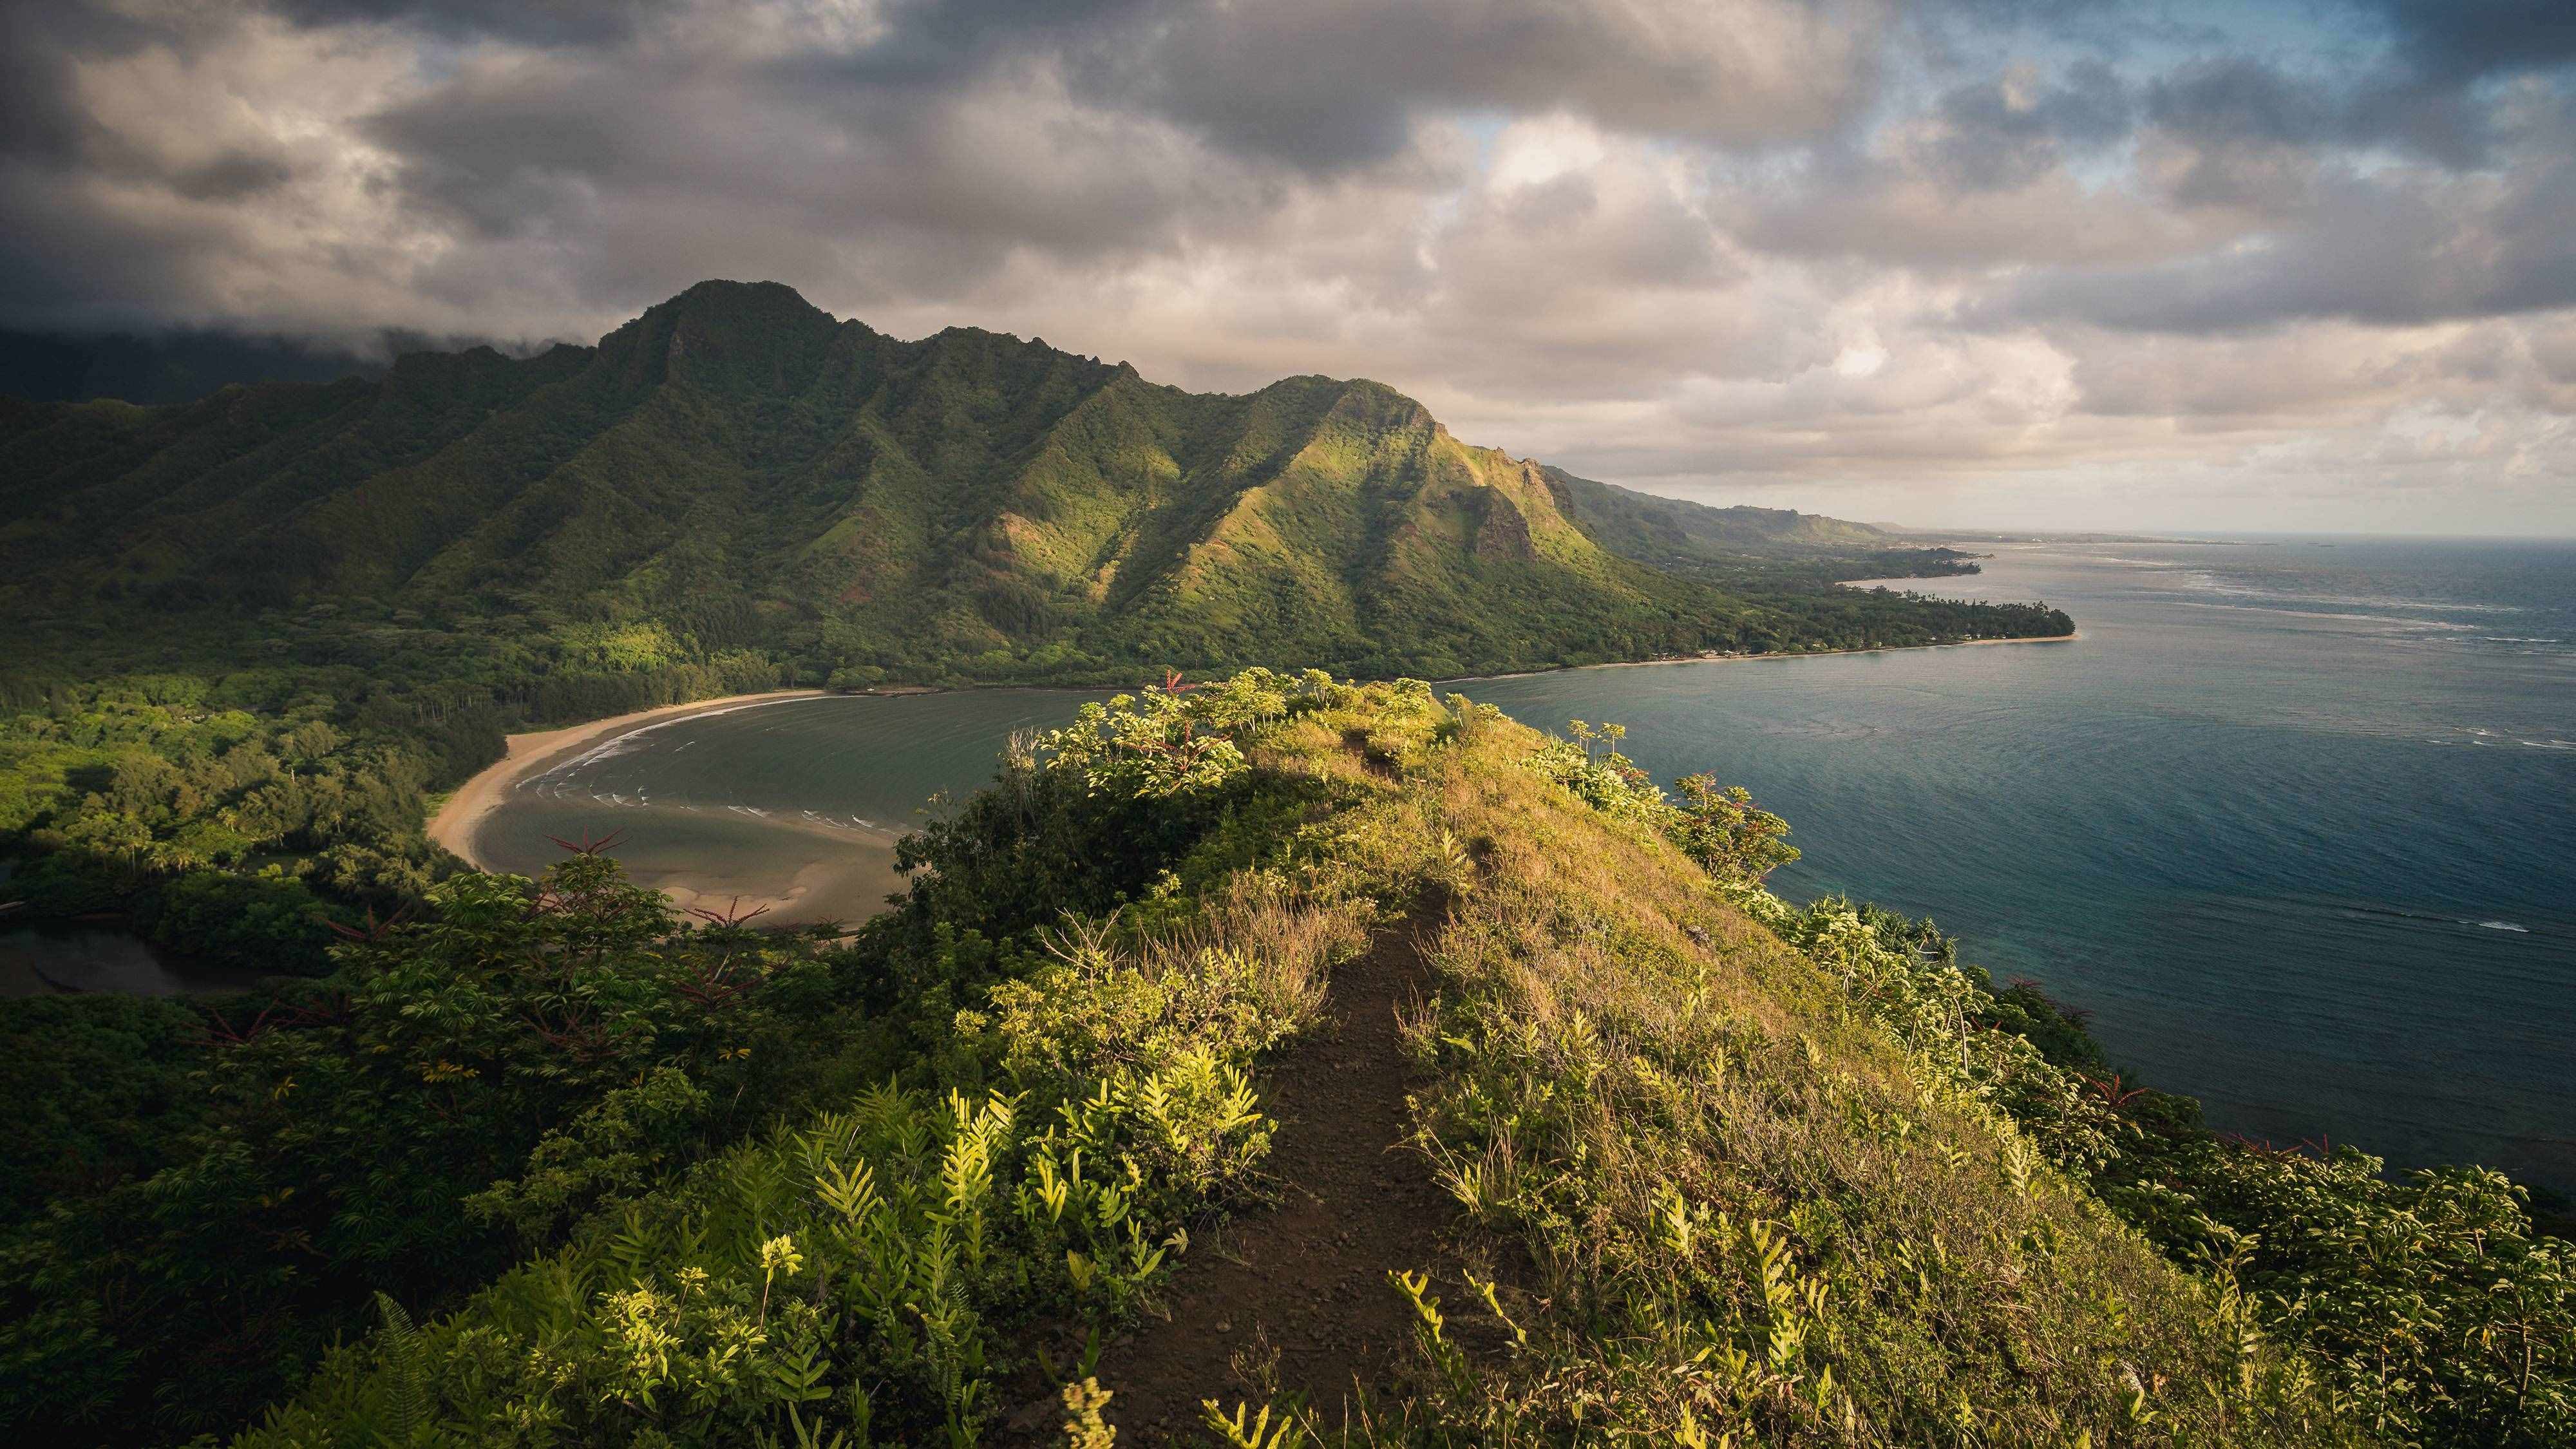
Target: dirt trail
[(1305, 1281)]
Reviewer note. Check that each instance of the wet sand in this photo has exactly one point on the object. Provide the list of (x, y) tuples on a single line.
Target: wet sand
[(454, 824), (848, 883)]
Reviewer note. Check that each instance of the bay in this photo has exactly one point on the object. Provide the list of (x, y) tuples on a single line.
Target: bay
[(2292, 818), (792, 807)]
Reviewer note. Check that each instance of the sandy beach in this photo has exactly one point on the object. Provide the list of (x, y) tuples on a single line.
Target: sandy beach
[(850, 883), (856, 871), (454, 824)]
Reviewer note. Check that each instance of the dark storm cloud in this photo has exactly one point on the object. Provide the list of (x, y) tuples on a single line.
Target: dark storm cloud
[(2472, 38), (2425, 94), (45, 124), (1336, 83), (551, 22), (934, 44), (39, 119), (1160, 123), (2242, 101), (2439, 185), (233, 176), (2364, 250), (1323, 84), (556, 146), (165, 367)]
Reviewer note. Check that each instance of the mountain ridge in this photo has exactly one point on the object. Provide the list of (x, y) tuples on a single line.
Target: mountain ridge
[(740, 468)]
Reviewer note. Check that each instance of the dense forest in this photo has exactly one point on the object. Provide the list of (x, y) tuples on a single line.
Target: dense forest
[(536, 1164), (257, 631)]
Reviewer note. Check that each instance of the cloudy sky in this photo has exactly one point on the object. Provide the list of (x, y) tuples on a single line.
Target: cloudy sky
[(2046, 263)]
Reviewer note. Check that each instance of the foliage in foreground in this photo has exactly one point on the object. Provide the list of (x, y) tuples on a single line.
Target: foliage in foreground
[(306, 1145), (469, 1084), (1596, 1073), (1730, 1171), (849, 1273)]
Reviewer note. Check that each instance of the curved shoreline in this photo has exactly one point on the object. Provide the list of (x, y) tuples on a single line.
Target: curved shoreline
[(452, 825), (1760, 658)]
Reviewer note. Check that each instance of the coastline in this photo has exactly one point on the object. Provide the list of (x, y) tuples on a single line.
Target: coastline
[(1762, 658), (453, 824)]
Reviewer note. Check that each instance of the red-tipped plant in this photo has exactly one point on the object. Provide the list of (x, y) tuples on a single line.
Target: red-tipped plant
[(573, 1033), (331, 1008), (2113, 1093), (2261, 1146), (711, 985), (731, 916), (373, 931), (218, 1029)]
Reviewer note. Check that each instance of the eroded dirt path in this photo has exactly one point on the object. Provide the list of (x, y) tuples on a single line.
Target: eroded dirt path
[(1297, 1298)]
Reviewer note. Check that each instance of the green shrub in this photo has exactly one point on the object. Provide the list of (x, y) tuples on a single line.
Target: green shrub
[(853, 1272)]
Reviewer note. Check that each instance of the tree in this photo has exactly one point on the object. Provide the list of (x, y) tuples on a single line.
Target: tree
[(1727, 833)]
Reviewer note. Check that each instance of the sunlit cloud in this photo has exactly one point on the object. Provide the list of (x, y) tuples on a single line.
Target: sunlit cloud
[(1967, 262)]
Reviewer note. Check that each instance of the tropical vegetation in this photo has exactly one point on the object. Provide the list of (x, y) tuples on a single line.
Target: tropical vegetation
[(539, 1164), (256, 632)]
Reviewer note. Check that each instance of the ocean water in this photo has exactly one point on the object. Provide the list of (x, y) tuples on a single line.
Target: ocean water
[(2295, 819), (801, 796)]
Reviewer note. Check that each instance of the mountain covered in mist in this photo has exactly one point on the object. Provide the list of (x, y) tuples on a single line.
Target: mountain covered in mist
[(737, 470)]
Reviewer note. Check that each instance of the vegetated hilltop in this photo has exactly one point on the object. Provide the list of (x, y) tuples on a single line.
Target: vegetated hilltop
[(737, 470), (1717, 1169), (252, 631)]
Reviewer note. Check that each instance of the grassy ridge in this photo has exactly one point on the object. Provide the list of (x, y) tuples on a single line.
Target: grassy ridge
[(1729, 1171)]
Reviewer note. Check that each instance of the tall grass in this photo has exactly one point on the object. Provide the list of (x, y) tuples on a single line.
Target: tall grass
[(1711, 1195)]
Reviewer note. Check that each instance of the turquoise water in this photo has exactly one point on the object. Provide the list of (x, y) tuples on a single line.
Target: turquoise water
[(2292, 819)]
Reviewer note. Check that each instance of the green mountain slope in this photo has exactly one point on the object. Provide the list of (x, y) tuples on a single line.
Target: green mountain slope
[(1642, 525), (737, 469), (257, 629)]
